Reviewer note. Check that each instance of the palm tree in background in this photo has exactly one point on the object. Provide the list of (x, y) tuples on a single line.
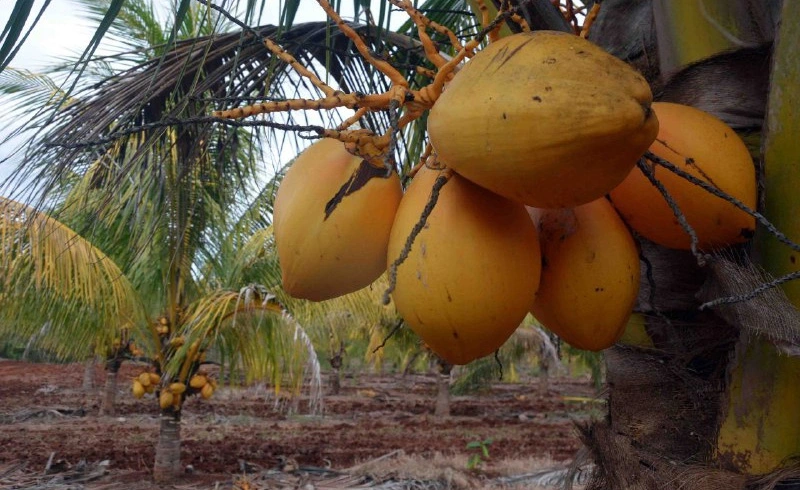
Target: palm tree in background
[(164, 226), (723, 375)]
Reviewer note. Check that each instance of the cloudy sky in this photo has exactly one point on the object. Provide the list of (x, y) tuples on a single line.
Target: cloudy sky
[(60, 32)]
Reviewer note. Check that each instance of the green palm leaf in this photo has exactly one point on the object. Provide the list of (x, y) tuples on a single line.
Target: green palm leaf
[(14, 27), (253, 335), (76, 285)]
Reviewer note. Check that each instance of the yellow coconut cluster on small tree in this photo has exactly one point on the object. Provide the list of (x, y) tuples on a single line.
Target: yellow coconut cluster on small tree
[(543, 119), (172, 394)]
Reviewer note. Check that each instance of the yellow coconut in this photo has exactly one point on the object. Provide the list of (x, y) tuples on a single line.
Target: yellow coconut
[(145, 379), (177, 341), (206, 391), (471, 272), (198, 381), (177, 388), (590, 274), (332, 219), (710, 150), (545, 118), (138, 389), (165, 399)]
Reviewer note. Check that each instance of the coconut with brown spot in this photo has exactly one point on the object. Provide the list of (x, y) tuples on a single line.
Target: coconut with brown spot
[(545, 118), (332, 219), (707, 148), (590, 274)]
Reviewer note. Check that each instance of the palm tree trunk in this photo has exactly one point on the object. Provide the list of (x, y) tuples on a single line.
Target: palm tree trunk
[(30, 346), (716, 21), (761, 428), (108, 402), (336, 381), (442, 408), (168, 449), (411, 361), (88, 374), (336, 366)]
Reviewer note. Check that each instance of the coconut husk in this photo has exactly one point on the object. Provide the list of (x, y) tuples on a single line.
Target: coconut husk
[(769, 314), (624, 465)]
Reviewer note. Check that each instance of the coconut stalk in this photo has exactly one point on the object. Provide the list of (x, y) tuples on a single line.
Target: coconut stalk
[(336, 366), (761, 427), (88, 374)]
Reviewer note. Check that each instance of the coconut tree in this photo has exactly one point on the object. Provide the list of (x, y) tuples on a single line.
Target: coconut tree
[(139, 32), (174, 215), (708, 355)]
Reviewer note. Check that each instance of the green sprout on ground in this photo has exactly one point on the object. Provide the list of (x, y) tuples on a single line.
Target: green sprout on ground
[(480, 452)]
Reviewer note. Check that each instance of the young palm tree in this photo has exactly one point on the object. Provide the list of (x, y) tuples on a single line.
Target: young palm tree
[(171, 208)]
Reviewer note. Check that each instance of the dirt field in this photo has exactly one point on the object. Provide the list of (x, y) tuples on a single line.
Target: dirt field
[(45, 416)]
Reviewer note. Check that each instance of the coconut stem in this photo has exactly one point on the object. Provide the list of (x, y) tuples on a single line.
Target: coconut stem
[(590, 18), (752, 294), (422, 22), (394, 330), (384, 67), (394, 130)]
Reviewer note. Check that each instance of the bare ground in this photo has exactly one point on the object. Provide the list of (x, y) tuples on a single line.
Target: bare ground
[(46, 417)]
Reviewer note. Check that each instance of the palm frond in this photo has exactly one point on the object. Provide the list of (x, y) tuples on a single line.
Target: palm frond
[(23, 82), (74, 284), (15, 24), (24, 93), (197, 75), (254, 335)]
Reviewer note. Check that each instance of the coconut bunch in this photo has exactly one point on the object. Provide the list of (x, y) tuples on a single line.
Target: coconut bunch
[(173, 394), (510, 212)]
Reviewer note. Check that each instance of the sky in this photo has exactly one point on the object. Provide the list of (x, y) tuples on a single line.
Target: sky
[(63, 31), (59, 33)]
